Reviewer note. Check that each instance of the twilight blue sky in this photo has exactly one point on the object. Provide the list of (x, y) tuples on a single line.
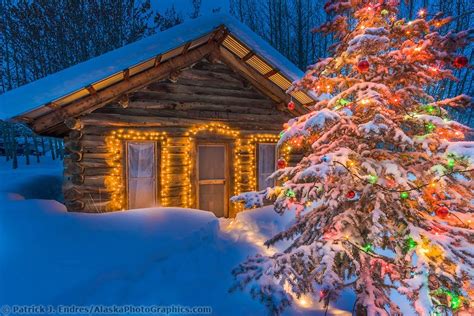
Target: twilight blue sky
[(185, 5)]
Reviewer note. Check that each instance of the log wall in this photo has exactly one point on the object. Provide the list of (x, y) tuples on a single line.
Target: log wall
[(166, 111)]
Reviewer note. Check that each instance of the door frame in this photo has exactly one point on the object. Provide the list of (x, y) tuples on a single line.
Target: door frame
[(227, 184), (157, 168)]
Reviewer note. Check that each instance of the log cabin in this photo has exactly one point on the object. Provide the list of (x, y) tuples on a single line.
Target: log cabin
[(188, 118)]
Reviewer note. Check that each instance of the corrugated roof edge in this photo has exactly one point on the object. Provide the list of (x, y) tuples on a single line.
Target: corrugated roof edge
[(37, 93)]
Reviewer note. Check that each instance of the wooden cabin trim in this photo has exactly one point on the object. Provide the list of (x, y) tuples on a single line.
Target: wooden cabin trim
[(47, 122)]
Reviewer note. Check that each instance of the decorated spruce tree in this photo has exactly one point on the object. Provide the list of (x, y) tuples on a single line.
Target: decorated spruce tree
[(383, 198)]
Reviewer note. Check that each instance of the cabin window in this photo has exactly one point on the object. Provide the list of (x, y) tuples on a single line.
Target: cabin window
[(266, 165), (213, 178), (141, 174)]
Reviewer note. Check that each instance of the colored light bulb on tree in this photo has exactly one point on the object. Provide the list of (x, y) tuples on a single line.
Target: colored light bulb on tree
[(363, 66), (367, 247), (290, 193), (404, 195), (451, 162), (373, 179)]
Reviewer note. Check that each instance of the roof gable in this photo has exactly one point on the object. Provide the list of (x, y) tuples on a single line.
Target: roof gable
[(84, 79)]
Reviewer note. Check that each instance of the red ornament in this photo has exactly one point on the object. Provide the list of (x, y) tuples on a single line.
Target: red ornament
[(460, 62), (442, 212), (281, 163), (363, 66), (291, 105), (350, 195)]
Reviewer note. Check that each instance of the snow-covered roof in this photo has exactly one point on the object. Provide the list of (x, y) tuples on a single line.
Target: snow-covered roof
[(63, 84)]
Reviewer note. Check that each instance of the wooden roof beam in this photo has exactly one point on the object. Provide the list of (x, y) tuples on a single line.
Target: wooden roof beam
[(186, 48), (92, 102), (158, 60), (271, 73), (259, 81), (248, 56), (126, 74)]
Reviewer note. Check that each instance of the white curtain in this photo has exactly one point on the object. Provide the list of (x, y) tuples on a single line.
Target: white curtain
[(266, 165), (141, 175)]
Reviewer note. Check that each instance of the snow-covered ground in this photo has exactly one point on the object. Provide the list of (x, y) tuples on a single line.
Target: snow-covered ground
[(160, 256)]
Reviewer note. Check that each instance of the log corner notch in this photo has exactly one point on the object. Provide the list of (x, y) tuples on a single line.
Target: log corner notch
[(124, 101)]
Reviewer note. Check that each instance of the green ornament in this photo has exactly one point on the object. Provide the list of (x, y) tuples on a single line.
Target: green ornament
[(429, 108), (384, 12), (343, 102), (282, 133), (455, 301), (404, 195), (290, 193), (367, 247), (451, 162), (430, 127), (410, 243), (373, 179)]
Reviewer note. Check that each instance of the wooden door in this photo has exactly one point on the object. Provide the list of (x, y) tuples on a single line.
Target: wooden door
[(141, 174), (212, 175)]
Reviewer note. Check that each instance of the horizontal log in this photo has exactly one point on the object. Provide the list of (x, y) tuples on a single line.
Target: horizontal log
[(98, 171), (75, 134), (175, 201), (96, 207), (72, 194), (156, 123), (73, 144), (220, 100), (75, 156), (206, 75), (77, 179), (96, 149), (178, 149), (179, 89), (96, 100), (213, 67), (93, 180), (177, 169), (99, 142), (177, 191), (142, 117), (104, 156), (265, 115), (74, 206), (73, 168)]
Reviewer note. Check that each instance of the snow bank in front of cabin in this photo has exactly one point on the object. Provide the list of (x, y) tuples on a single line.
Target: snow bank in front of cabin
[(157, 256)]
